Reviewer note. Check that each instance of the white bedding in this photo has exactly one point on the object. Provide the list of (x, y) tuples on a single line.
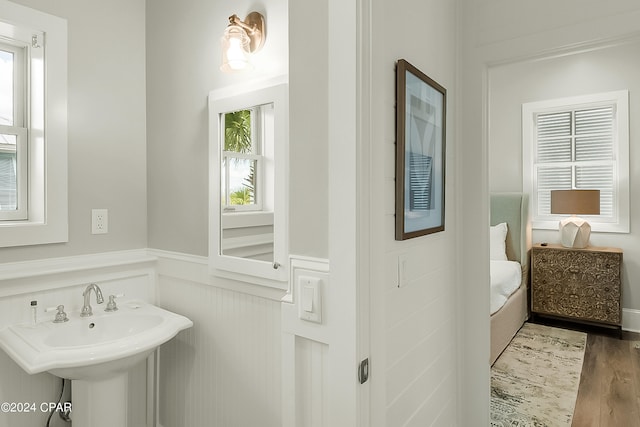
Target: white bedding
[(506, 277)]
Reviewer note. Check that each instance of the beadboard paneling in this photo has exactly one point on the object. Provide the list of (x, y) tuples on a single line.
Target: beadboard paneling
[(225, 371), (311, 383)]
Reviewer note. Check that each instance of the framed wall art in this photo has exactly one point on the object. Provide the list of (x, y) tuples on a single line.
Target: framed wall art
[(421, 106)]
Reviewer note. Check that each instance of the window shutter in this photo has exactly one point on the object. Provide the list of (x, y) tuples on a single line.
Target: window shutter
[(575, 149), (554, 137)]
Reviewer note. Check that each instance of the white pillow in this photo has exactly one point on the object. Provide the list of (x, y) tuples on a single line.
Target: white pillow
[(497, 237)]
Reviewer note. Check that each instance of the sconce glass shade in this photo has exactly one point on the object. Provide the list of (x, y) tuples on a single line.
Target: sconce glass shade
[(574, 231), (235, 49), (240, 40)]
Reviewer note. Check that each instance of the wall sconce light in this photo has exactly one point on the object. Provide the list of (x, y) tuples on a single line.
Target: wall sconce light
[(240, 40)]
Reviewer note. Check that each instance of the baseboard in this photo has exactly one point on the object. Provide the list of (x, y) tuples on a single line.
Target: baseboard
[(631, 320)]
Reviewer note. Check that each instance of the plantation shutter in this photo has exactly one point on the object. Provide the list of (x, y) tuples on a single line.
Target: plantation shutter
[(575, 150)]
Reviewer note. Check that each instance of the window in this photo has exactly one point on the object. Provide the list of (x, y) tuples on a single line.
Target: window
[(13, 132), (242, 160), (578, 143), (33, 127)]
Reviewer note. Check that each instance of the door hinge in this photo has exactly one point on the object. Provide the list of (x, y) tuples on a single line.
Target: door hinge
[(363, 371)]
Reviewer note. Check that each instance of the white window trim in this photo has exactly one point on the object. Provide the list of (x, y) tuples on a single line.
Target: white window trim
[(47, 205), (621, 152)]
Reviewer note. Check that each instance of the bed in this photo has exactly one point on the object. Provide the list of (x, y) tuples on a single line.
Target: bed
[(510, 245)]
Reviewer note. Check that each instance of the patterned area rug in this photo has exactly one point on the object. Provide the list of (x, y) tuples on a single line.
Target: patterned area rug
[(535, 380)]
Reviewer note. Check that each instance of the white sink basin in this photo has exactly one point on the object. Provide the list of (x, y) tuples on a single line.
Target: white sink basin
[(95, 347)]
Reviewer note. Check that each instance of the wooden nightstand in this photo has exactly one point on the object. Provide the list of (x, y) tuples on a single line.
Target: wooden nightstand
[(581, 285)]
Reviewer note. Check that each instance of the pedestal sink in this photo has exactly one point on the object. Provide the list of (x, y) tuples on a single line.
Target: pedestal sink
[(95, 353)]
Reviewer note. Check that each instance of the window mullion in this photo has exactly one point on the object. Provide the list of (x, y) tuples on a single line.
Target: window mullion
[(227, 200)]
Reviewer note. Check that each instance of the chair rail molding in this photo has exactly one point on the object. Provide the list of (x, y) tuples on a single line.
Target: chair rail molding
[(39, 275)]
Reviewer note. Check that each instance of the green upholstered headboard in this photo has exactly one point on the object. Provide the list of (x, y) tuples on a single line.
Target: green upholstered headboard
[(513, 208)]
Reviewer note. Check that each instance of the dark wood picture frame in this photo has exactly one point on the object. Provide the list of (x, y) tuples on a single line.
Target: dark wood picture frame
[(421, 106)]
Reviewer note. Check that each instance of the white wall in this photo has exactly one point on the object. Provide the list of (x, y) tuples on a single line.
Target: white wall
[(606, 69), (413, 328), (308, 137), (106, 124), (473, 239)]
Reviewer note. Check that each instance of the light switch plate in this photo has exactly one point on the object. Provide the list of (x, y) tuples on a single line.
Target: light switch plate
[(403, 260), (310, 298)]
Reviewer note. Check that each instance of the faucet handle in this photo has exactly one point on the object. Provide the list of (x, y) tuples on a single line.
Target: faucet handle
[(61, 316), (111, 305)]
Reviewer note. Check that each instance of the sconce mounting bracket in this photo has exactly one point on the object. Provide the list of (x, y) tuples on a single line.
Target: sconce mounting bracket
[(254, 26)]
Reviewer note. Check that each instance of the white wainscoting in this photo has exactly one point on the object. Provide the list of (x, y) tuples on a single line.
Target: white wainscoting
[(61, 281), (225, 371), (311, 377), (305, 351)]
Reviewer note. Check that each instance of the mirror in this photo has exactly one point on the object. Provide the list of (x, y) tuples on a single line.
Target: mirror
[(248, 193), (246, 175)]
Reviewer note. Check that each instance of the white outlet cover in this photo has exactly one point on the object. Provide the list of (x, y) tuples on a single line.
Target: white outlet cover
[(99, 221)]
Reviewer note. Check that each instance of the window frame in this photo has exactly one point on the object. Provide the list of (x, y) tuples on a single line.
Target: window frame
[(19, 127), (45, 39), (620, 102)]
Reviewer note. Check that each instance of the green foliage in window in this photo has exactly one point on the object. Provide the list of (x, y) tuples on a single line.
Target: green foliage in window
[(237, 131), (237, 127)]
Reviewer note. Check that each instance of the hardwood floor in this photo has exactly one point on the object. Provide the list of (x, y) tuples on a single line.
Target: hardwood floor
[(609, 392)]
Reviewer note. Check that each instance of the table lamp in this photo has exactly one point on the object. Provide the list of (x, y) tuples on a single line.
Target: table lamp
[(574, 231)]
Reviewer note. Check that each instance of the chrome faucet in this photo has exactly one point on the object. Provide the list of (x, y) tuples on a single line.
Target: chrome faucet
[(86, 308)]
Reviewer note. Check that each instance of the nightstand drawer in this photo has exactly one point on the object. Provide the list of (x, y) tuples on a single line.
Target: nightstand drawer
[(580, 284)]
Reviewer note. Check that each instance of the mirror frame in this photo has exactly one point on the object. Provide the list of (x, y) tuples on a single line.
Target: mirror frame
[(265, 273)]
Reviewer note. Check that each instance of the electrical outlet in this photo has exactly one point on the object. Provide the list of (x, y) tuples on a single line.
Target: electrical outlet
[(99, 221)]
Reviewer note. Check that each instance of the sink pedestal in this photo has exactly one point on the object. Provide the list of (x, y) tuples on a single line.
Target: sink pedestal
[(100, 403)]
